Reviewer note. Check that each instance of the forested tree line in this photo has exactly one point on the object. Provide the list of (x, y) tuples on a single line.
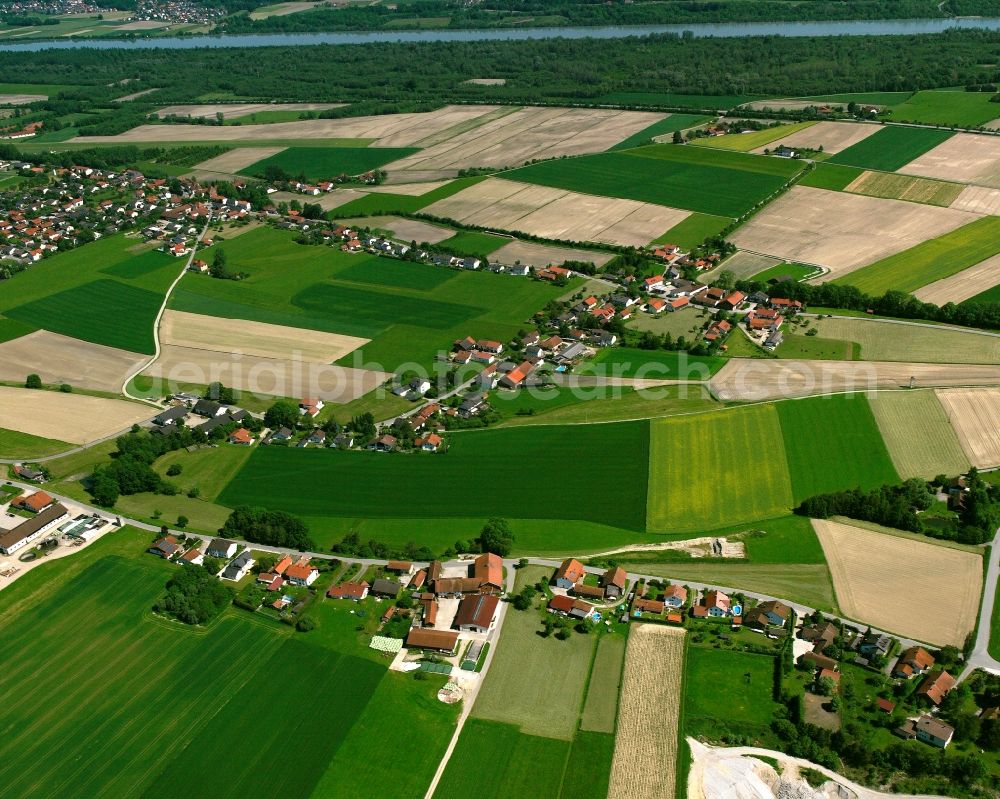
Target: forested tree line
[(551, 70)]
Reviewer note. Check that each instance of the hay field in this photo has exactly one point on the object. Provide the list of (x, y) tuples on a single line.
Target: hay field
[(891, 186), (755, 380), (61, 359), (198, 331), (76, 418), (965, 157), (831, 136), (237, 159), (401, 228), (272, 377), (237, 110), (963, 285), (916, 431), (557, 213), (541, 255), (912, 343), (407, 189), (842, 231), (282, 9), (527, 134), (645, 763), (874, 576), (978, 200), (391, 130), (975, 415)]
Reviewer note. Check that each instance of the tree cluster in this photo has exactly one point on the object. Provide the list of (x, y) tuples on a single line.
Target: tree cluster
[(194, 596), (272, 527)]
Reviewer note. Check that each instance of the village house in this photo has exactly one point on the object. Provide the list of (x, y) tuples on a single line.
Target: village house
[(613, 581), (875, 644), (166, 547), (388, 588), (33, 503), (716, 604), (193, 557), (651, 606), (221, 548), (675, 596), (302, 573), (238, 567), (915, 660), (475, 613), (936, 687), (384, 443), (569, 573), (718, 330), (241, 437), (349, 590), (568, 606), (767, 614), (927, 729), (443, 641)]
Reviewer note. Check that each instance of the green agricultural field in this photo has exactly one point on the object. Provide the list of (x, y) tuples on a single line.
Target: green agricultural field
[(208, 470), (102, 644), (469, 242), (670, 124), (378, 203), (668, 174), (745, 142), (832, 444), (835, 177), (410, 311), (692, 231), (655, 364), (918, 435), (988, 297), (15, 444), (588, 769), (108, 292), (328, 163), (891, 148), (668, 100), (722, 686), (930, 261), (909, 342), (600, 710), (800, 347), (890, 186), (863, 98), (709, 470), (11, 329), (329, 483), (786, 270), (963, 109)]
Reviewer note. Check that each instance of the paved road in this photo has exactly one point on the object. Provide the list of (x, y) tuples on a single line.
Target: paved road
[(980, 657)]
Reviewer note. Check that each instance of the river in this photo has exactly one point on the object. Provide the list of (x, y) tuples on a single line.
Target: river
[(892, 27)]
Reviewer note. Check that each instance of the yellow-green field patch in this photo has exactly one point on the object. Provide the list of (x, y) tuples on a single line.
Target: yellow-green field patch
[(745, 142), (912, 343), (917, 433), (714, 469), (601, 707), (891, 186)]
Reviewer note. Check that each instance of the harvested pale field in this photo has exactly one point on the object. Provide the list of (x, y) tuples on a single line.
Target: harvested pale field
[(743, 265), (530, 133), (21, 99), (405, 229), (541, 255), (975, 415), (916, 431), (238, 158), (960, 287), (889, 185), (645, 762), (781, 105), (270, 377), (965, 157), (757, 380), (282, 9), (407, 189), (142, 25), (391, 130), (874, 575), (237, 110), (978, 200), (842, 232), (486, 81), (888, 340), (831, 136), (557, 214), (60, 359), (328, 201), (135, 95), (76, 418), (994, 125), (441, 176), (240, 336)]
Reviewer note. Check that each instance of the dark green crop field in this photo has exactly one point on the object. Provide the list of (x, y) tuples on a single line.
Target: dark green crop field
[(891, 148), (668, 174), (327, 163), (604, 466), (833, 444)]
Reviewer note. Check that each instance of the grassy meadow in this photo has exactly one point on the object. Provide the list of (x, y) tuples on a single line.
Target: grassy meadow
[(964, 109), (692, 231), (891, 148), (668, 174), (918, 435), (722, 685), (15, 444), (932, 260), (835, 177)]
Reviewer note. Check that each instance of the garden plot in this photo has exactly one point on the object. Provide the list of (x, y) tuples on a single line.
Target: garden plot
[(197, 331), (76, 418), (978, 200), (391, 130), (965, 157), (237, 159), (541, 255), (60, 359), (237, 110), (832, 137), (874, 575), (756, 380), (645, 762), (975, 415), (527, 134), (842, 232), (556, 213), (964, 285), (269, 377)]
